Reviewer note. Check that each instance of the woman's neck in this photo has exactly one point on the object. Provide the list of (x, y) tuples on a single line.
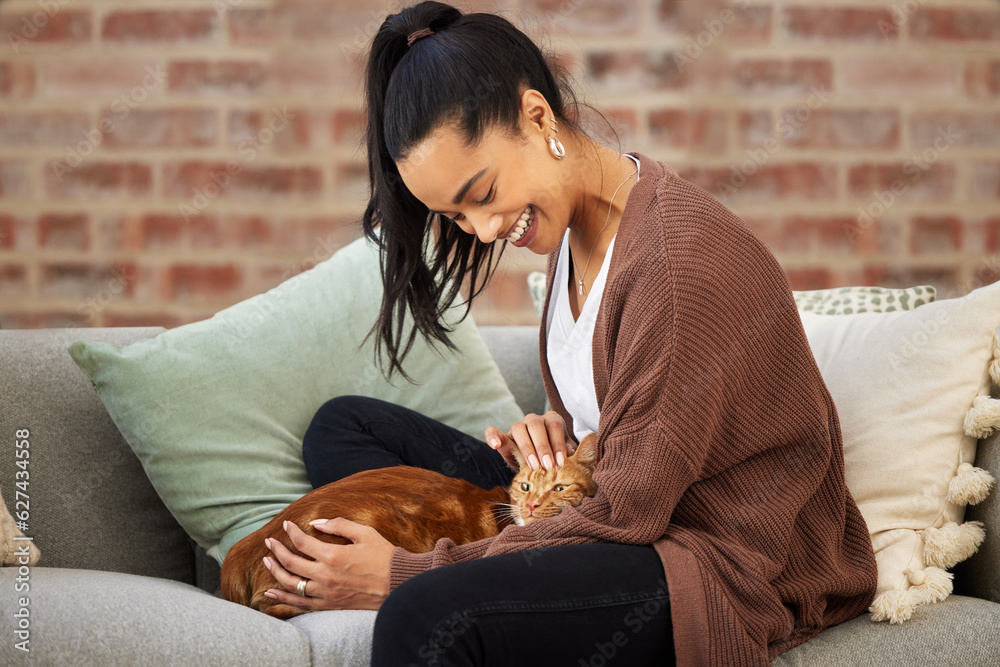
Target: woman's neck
[(604, 175)]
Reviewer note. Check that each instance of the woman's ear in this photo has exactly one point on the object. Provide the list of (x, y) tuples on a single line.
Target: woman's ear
[(536, 110)]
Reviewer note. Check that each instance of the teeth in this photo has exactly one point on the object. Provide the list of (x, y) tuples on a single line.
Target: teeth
[(522, 225)]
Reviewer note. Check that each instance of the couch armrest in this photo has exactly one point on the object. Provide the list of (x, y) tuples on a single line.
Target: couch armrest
[(91, 505)]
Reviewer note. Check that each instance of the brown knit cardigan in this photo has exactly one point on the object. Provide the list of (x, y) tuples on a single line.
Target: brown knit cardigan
[(718, 441)]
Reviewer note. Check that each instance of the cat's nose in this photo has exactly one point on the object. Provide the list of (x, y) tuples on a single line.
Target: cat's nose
[(531, 507)]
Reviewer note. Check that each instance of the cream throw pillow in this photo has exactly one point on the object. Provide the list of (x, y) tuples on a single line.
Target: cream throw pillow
[(903, 383)]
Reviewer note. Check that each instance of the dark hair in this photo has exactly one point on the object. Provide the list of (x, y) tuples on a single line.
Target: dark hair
[(471, 71)]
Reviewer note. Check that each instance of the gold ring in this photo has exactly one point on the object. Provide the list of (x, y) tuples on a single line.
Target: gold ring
[(301, 588)]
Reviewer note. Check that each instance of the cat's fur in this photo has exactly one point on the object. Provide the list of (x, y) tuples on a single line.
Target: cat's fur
[(412, 508)]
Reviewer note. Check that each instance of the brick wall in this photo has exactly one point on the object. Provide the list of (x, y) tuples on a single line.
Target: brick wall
[(162, 160)]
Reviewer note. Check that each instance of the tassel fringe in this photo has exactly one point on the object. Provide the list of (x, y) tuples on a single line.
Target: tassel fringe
[(970, 485), (893, 606), (983, 418), (952, 543)]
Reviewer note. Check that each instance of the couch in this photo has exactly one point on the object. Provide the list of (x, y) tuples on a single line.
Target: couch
[(120, 583)]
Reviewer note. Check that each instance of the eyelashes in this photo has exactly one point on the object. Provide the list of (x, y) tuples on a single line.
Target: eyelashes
[(488, 198)]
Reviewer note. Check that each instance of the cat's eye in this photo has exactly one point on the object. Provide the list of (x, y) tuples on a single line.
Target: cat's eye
[(525, 486), (561, 487)]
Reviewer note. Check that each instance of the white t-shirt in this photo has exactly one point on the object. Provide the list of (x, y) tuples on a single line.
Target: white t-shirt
[(570, 344)]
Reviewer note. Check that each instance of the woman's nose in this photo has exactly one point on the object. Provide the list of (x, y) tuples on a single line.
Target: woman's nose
[(487, 227)]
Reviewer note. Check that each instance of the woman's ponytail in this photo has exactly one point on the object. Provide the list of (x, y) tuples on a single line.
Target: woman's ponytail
[(471, 70)]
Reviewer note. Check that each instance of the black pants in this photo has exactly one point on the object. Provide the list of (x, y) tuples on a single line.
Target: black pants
[(581, 605)]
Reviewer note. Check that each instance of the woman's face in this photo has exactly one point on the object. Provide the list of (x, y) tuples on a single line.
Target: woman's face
[(506, 187)]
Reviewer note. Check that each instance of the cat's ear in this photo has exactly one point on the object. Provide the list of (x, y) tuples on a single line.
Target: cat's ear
[(515, 451), (586, 452)]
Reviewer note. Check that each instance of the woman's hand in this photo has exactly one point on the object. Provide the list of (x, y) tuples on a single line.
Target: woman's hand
[(536, 440), (342, 576)]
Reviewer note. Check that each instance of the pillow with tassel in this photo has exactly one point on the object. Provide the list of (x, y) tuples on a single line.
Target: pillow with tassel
[(912, 394)]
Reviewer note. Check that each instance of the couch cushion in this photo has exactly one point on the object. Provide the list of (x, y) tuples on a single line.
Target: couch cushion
[(216, 410), (959, 631), (80, 617), (91, 505), (341, 638)]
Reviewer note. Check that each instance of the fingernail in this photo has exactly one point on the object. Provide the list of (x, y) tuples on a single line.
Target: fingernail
[(267, 562), (560, 458), (317, 522), (547, 462), (267, 542), (533, 462), (270, 594), (284, 524), (494, 443)]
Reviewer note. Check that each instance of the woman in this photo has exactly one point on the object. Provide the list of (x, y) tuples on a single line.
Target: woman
[(722, 531)]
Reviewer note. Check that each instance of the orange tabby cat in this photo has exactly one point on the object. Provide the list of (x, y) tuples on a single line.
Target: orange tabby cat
[(412, 508)]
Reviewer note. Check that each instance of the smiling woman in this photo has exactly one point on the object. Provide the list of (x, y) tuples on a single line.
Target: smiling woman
[(678, 345)]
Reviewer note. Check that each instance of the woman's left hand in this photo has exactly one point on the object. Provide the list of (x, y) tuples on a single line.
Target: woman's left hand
[(342, 576)]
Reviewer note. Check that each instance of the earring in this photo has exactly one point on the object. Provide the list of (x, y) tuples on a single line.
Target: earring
[(554, 144)]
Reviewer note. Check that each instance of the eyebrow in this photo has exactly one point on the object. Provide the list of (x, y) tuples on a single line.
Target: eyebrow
[(465, 188)]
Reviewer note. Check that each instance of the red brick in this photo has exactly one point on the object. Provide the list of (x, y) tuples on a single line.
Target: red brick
[(254, 26), (313, 75), (101, 179), (935, 234), (216, 179), (64, 231), (218, 78), (991, 235), (8, 228), (350, 180), (160, 231), (955, 25), (913, 180), (633, 71), (910, 76), (348, 127), (968, 129), (192, 282), (282, 130), (809, 279), (591, 17), (984, 180), (840, 128), (25, 30), (14, 178), (42, 128), (782, 77), (17, 80), (160, 128), (982, 78), (116, 78), (86, 280), (616, 128), (699, 130), (14, 280), (838, 25), (790, 180), (234, 231), (754, 127), (146, 27), (751, 24)]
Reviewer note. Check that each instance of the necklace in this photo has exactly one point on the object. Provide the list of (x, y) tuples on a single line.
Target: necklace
[(594, 245)]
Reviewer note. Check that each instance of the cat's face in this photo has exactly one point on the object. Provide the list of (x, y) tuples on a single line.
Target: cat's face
[(536, 494)]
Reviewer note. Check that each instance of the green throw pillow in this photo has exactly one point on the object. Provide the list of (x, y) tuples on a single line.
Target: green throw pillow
[(216, 410)]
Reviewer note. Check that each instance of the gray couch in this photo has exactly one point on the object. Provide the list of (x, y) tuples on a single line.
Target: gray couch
[(120, 583)]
